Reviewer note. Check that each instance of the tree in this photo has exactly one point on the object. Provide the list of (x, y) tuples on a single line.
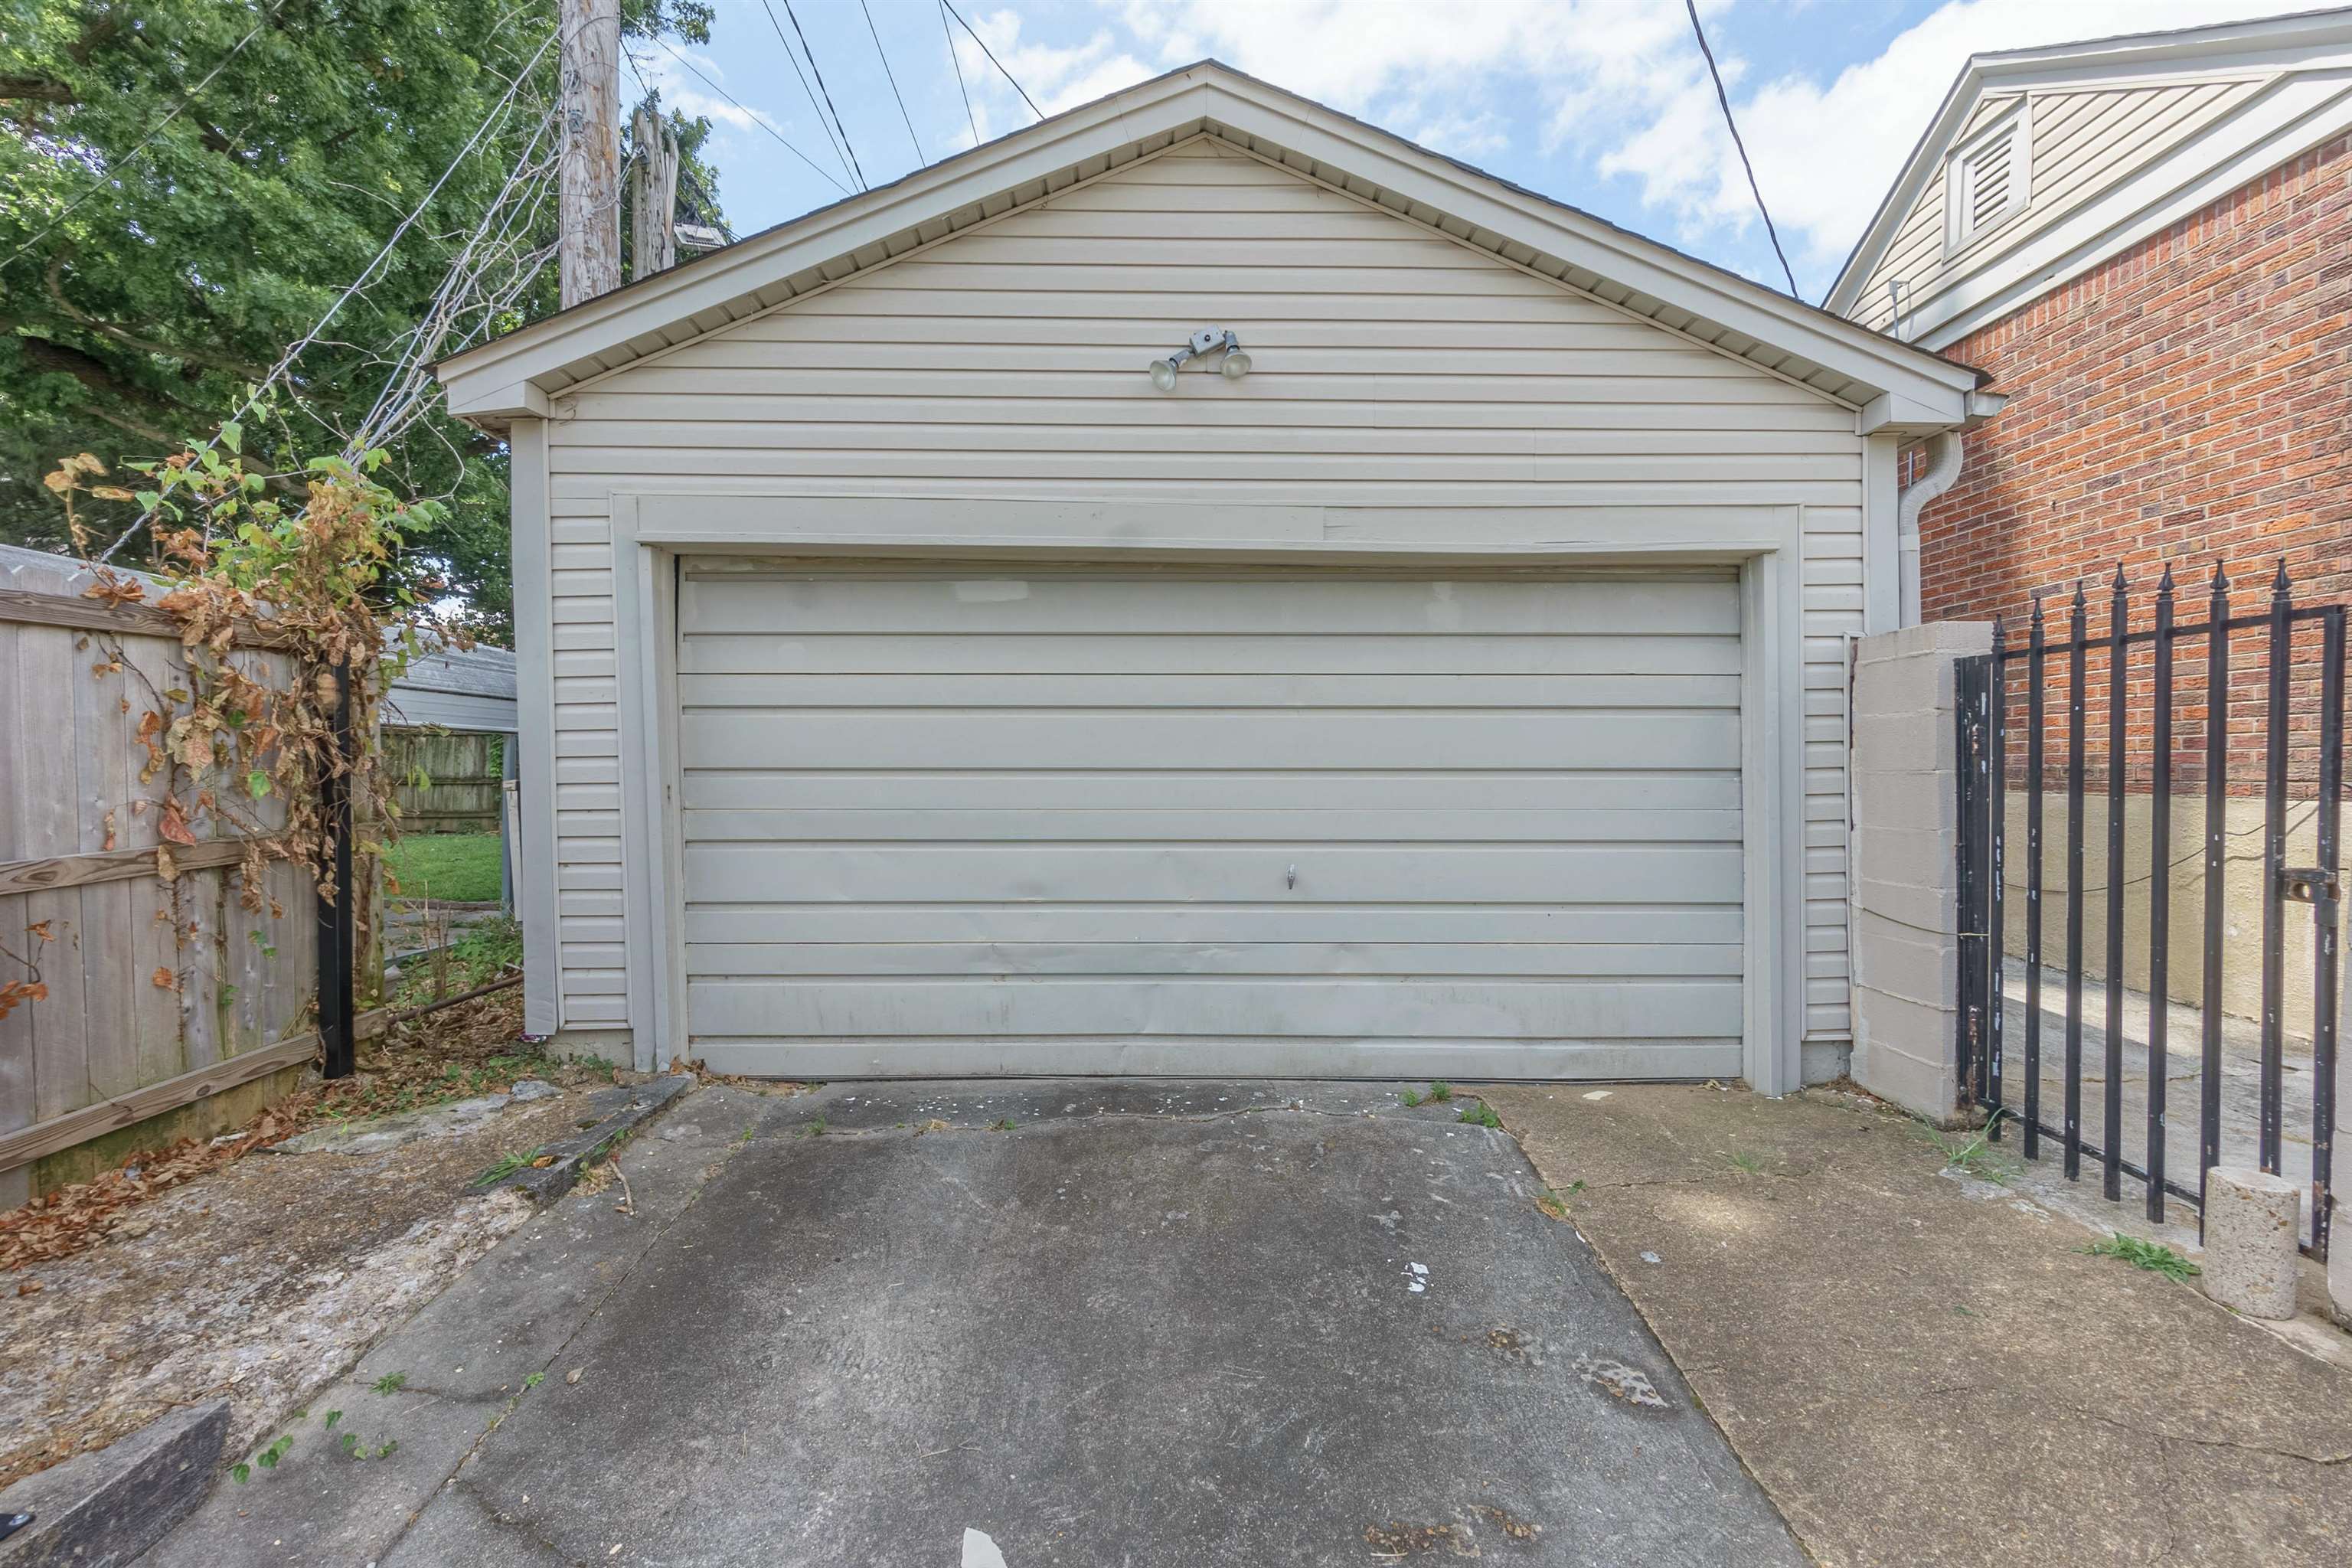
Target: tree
[(187, 187)]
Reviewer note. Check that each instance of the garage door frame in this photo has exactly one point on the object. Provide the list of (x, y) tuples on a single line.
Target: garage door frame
[(652, 532)]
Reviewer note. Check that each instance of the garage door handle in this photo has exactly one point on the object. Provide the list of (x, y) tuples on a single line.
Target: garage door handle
[(1290, 878)]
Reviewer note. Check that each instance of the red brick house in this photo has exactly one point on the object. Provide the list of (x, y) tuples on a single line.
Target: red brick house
[(2147, 242)]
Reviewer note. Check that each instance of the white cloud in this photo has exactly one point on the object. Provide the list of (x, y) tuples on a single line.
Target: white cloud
[(1825, 153), (1058, 77)]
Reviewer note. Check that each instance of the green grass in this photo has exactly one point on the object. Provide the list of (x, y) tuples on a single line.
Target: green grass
[(2152, 1256), (1973, 1153), (1479, 1113), (447, 867)]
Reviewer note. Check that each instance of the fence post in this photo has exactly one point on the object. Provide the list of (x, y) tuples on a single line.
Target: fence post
[(337, 926), (1906, 918)]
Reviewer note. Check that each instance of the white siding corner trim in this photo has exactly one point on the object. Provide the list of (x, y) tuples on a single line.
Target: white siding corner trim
[(655, 536)]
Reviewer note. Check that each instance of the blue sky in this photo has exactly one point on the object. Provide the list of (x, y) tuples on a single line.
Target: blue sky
[(1601, 103)]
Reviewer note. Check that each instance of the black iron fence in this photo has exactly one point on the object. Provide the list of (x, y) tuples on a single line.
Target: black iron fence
[(2175, 714)]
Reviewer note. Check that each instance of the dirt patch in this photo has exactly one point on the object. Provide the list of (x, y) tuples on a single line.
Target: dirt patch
[(214, 1270)]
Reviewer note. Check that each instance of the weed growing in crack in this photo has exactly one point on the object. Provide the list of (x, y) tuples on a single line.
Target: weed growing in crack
[(508, 1164), (1441, 1092), (1411, 1097), (1972, 1152), (2152, 1256), (815, 1128), (1478, 1113), (1002, 1124), (535, 1380), (392, 1383)]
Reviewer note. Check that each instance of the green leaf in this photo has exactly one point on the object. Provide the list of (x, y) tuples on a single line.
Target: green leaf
[(150, 499), (256, 784), (233, 436)]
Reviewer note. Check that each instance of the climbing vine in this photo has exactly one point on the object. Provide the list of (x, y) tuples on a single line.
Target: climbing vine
[(253, 565)]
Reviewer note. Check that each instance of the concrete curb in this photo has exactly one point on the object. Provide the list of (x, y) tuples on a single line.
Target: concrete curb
[(108, 1507), (619, 1111)]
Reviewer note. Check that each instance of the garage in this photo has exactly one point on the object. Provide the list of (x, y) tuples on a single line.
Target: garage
[(1198, 584), (1210, 822)]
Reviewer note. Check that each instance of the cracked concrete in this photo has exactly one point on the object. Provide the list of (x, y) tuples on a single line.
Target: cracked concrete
[(1919, 1377), (1087, 1323)]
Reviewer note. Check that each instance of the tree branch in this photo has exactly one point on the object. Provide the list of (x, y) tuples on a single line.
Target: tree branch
[(109, 330), (38, 90)]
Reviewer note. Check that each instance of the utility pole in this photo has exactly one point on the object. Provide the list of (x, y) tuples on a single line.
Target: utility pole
[(653, 236), (589, 257)]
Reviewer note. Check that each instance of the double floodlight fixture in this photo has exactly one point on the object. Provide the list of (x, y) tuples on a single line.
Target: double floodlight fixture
[(1235, 365)]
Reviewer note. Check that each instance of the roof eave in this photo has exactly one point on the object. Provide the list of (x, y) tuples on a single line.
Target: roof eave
[(508, 378)]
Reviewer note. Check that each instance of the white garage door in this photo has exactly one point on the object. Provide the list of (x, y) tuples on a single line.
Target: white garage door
[(1183, 822)]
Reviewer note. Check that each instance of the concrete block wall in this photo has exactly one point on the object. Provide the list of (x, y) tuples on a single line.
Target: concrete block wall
[(1906, 903)]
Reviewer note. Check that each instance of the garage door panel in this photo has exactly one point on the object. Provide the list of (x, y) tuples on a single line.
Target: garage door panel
[(1168, 822), (1309, 740), (1524, 960), (1131, 651), (1482, 1008), (1063, 873), (1189, 690), (1255, 605), (1209, 826), (780, 789), (1205, 926)]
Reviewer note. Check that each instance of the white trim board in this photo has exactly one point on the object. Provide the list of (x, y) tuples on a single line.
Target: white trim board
[(651, 531), (2291, 49)]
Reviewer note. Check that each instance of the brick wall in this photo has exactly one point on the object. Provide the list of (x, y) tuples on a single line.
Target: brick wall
[(2187, 401), (2187, 398)]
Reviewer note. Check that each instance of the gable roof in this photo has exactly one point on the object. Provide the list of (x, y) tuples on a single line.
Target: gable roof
[(2308, 51), (1892, 385)]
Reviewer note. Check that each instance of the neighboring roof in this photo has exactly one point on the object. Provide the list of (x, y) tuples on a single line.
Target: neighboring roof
[(1895, 386), (453, 689), (2312, 49)]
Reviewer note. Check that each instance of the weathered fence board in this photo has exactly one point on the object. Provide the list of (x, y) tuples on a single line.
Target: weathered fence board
[(149, 982), (444, 782)]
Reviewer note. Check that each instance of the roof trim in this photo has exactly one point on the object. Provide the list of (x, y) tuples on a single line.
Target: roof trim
[(1894, 384), (2271, 41)]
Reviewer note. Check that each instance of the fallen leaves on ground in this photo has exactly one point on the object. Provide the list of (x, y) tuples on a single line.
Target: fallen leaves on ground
[(464, 1051)]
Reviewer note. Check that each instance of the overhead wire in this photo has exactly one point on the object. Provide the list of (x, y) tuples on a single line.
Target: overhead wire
[(893, 77), (1753, 189), (816, 109), (957, 64), (116, 167), (818, 71), (991, 59), (753, 114)]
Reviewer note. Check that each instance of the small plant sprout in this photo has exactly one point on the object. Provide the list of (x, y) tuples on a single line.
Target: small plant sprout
[(1745, 1161), (1553, 1204), (350, 1441), (815, 1128), (268, 1458), (2152, 1256), (333, 1417), (240, 1473), (535, 1380), (508, 1164), (1971, 1153), (1411, 1097), (1478, 1113), (392, 1383), (1002, 1124), (386, 1451), (1441, 1092)]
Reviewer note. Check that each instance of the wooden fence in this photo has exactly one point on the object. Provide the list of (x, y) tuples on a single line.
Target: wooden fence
[(159, 991), (444, 782)]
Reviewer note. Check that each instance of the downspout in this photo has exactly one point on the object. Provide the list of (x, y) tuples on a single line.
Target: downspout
[(1943, 467)]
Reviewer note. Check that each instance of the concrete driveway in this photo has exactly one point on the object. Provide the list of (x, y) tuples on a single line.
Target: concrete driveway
[(1088, 1324)]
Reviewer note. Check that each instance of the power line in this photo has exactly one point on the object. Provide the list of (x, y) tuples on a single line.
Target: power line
[(831, 141), (887, 71), (110, 169), (1722, 99), (992, 60), (957, 64), (753, 114), (286, 361), (817, 71)]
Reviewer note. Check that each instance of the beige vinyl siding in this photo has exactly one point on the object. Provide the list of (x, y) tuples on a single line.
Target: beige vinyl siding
[(2083, 144), (1397, 372)]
